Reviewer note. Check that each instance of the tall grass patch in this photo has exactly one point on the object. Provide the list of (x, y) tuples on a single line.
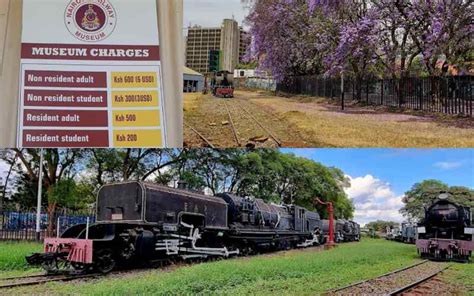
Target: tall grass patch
[(301, 272), (12, 254)]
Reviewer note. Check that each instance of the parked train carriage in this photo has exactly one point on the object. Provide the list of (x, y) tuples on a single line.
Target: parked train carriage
[(393, 233), (142, 222), (446, 232), (408, 233)]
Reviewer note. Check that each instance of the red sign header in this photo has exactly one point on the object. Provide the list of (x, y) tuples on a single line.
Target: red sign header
[(90, 52)]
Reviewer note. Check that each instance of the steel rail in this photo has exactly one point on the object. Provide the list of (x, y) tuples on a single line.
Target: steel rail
[(234, 131), (21, 277), (279, 143), (378, 277), (200, 135), (64, 278), (417, 283)]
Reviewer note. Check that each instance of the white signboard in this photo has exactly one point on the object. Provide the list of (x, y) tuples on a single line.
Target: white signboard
[(91, 75)]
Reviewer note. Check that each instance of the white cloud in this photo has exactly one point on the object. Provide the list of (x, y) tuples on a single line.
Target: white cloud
[(211, 13), (374, 199), (446, 165)]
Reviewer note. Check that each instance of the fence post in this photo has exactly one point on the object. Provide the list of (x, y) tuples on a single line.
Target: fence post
[(342, 92), (420, 89), (381, 92), (367, 89), (399, 93), (87, 228), (446, 107)]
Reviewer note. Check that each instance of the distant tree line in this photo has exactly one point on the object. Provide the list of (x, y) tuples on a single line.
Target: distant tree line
[(380, 225), (73, 176)]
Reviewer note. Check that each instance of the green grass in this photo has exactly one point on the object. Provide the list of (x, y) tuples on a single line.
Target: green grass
[(297, 272), (461, 275), (301, 272), (12, 256)]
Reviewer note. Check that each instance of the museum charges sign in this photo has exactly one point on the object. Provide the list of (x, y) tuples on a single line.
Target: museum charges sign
[(91, 75)]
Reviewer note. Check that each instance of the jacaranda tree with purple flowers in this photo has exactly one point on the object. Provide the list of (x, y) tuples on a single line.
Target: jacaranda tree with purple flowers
[(361, 37)]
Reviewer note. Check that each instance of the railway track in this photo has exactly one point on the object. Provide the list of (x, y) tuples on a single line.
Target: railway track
[(232, 125), (244, 114), (32, 280), (399, 282), (201, 136)]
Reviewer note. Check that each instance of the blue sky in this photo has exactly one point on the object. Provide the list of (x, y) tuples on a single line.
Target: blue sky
[(380, 177), (210, 13)]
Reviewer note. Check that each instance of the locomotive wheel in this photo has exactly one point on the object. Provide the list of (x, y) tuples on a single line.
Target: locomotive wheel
[(105, 262), (79, 267), (50, 266), (55, 265)]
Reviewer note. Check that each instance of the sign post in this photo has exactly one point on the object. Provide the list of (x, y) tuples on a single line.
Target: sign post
[(39, 197), (96, 73)]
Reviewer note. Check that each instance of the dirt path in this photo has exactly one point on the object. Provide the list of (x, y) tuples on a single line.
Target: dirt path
[(312, 122)]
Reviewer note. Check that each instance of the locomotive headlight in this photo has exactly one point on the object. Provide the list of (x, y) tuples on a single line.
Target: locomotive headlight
[(469, 231), (421, 230)]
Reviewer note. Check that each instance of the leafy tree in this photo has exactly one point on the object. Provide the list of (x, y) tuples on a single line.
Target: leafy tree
[(421, 195), (117, 165), (267, 174), (247, 66), (361, 38), (381, 225)]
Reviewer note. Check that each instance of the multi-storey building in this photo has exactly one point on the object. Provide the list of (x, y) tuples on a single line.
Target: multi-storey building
[(229, 40)]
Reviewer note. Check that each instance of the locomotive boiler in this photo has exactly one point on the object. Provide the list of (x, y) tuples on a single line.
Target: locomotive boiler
[(446, 232), (144, 222)]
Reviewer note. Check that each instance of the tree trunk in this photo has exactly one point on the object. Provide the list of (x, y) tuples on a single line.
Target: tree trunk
[(51, 219), (4, 193)]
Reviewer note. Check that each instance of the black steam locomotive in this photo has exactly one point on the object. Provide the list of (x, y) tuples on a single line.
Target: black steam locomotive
[(344, 230), (144, 222), (446, 232)]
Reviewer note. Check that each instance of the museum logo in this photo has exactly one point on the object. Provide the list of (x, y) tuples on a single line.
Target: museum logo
[(90, 20)]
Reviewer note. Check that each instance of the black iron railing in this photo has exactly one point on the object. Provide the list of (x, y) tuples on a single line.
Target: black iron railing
[(449, 95)]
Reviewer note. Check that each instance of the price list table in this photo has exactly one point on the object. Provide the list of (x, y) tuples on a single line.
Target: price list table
[(135, 104), (102, 107)]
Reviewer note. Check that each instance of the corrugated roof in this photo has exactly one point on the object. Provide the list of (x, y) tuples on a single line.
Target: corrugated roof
[(189, 71)]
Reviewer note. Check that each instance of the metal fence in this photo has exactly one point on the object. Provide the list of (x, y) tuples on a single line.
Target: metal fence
[(449, 95), (16, 226), (262, 83)]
